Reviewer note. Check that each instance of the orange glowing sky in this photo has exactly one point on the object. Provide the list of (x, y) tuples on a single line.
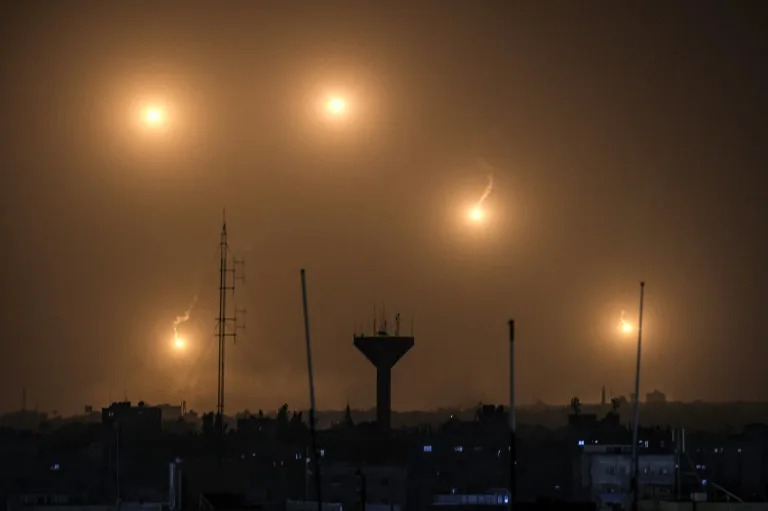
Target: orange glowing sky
[(355, 142)]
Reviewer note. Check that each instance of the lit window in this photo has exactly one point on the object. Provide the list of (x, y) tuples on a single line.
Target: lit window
[(55, 466), (322, 452), (459, 448), (703, 482), (739, 449), (427, 448), (581, 442)]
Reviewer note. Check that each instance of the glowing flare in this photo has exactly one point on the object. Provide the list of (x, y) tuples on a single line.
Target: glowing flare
[(179, 343), (336, 106), (154, 116), (625, 326), (477, 213)]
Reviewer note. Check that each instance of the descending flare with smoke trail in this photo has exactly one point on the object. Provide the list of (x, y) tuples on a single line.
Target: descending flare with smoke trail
[(178, 341), (477, 212), (626, 327)]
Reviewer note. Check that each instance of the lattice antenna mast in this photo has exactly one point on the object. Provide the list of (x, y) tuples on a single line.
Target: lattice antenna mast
[(227, 325)]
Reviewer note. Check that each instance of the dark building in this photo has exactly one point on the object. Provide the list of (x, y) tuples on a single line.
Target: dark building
[(138, 420), (655, 398)]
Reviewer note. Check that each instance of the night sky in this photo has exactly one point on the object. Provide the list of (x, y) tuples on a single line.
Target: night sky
[(626, 142)]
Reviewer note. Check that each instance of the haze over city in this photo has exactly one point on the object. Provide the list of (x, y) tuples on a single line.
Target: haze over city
[(623, 143)]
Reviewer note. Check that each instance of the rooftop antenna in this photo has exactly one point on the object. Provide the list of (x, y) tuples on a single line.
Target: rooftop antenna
[(312, 430), (384, 314), (397, 324)]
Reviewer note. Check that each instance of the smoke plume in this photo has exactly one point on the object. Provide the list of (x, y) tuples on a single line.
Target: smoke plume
[(487, 192), (183, 318)]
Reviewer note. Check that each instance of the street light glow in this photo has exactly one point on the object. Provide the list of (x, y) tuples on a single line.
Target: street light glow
[(179, 343)]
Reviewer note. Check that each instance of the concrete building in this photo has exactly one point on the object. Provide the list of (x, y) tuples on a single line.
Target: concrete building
[(605, 471), (170, 413), (346, 483)]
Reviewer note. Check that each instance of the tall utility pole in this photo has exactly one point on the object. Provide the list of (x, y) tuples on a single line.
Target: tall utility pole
[(636, 421), (227, 280), (512, 419), (312, 429)]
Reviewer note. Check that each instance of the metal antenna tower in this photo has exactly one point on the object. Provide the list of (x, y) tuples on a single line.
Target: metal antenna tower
[(227, 325)]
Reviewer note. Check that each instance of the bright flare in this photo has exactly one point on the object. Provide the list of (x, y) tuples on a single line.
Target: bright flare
[(179, 343), (336, 106), (477, 214), (625, 326), (154, 116)]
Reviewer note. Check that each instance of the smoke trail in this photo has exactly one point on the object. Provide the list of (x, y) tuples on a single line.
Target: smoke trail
[(183, 318), (487, 191)]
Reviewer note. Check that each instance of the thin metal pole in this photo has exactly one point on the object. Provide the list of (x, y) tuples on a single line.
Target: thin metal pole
[(117, 461), (312, 430), (512, 419), (222, 333), (636, 421)]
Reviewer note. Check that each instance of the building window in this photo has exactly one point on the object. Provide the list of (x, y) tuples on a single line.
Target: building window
[(459, 448), (427, 448)]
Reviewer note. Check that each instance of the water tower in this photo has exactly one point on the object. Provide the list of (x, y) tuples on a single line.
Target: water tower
[(383, 351)]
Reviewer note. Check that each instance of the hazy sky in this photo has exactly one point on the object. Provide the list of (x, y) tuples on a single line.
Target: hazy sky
[(626, 142)]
